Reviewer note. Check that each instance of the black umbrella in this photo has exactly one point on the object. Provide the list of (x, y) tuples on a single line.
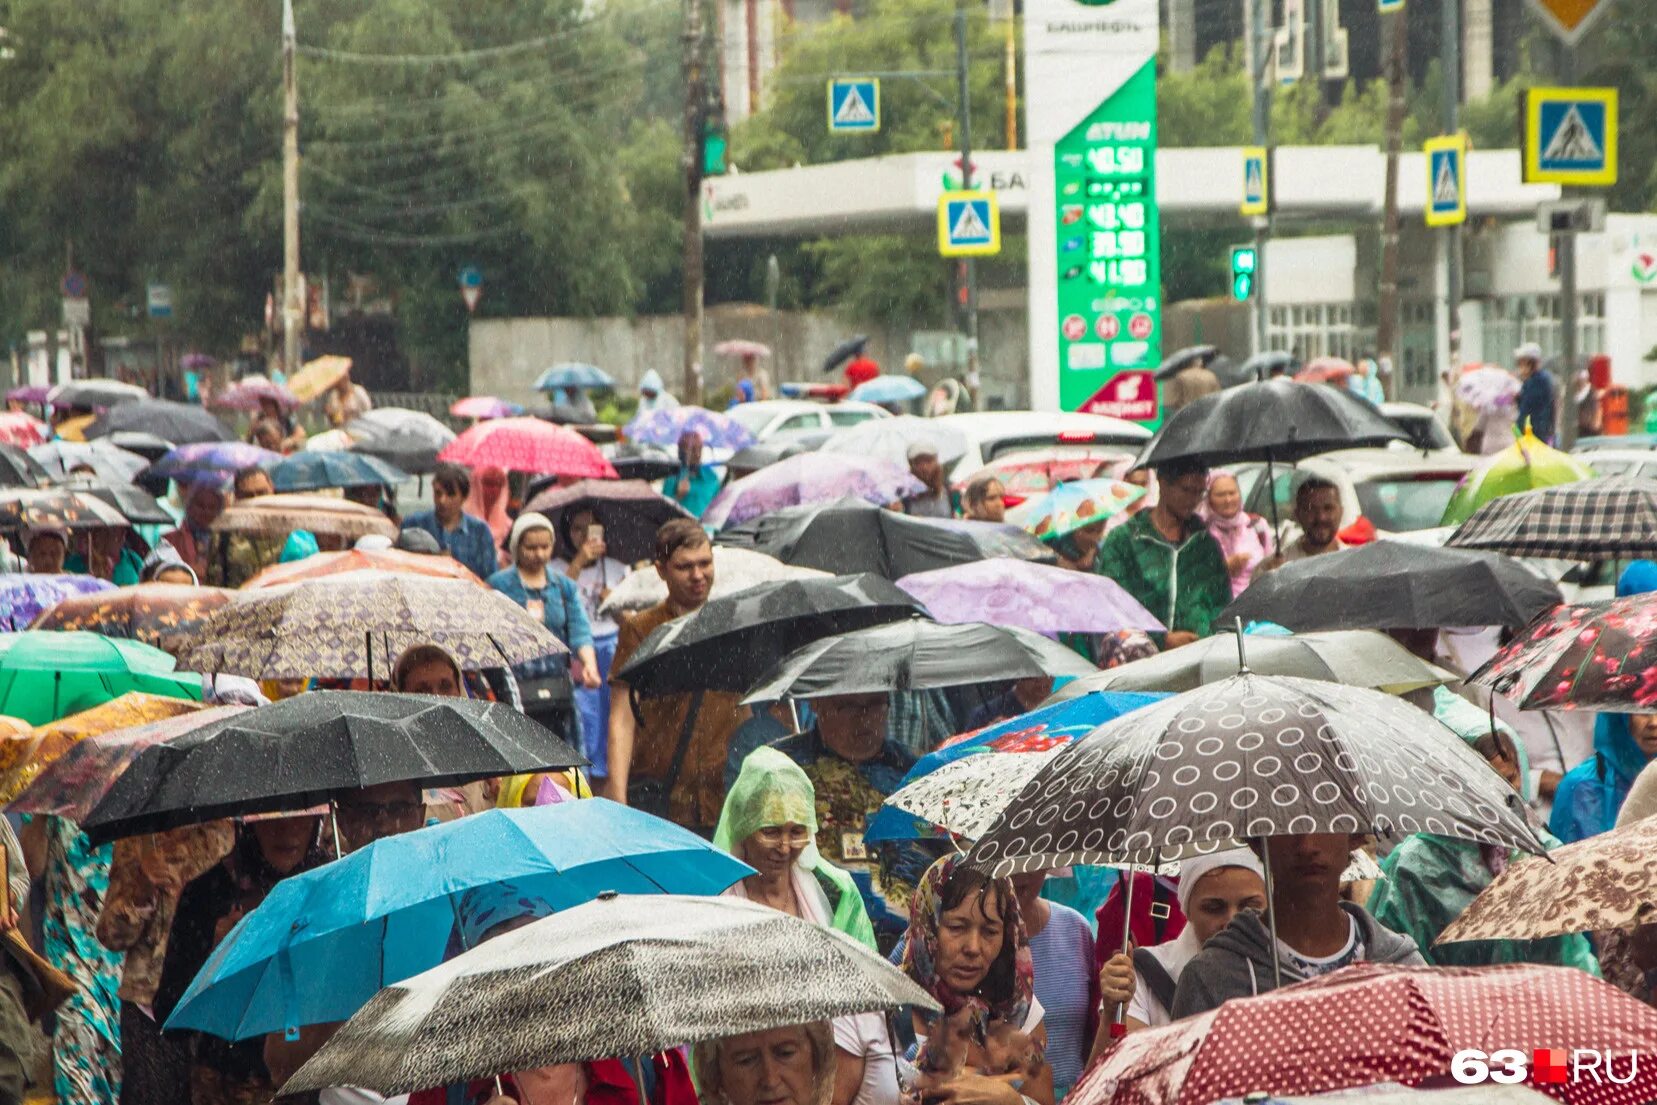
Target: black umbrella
[(179, 423), (631, 511), (766, 453), (849, 536), (1175, 363), (19, 469), (635, 461), (731, 642), (408, 439), (148, 446), (98, 393), (1262, 366), (1395, 585), (916, 655), (138, 505), (303, 750), (1601, 519), (845, 351)]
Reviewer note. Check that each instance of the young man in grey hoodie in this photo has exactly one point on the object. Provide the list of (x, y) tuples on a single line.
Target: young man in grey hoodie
[(1317, 932)]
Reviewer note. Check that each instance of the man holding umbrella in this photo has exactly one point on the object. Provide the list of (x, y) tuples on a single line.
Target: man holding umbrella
[(1166, 558)]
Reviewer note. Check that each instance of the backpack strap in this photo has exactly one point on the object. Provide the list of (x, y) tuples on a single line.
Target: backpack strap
[(1156, 977)]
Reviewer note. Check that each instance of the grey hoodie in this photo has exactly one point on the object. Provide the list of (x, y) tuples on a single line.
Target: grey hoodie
[(1237, 961)]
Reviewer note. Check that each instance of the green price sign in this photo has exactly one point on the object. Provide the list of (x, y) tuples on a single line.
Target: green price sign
[(1110, 246)]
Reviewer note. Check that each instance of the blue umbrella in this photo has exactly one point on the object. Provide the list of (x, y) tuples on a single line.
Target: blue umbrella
[(25, 596), (1036, 731), (308, 471), (664, 427), (888, 389), (574, 374), (324, 942)]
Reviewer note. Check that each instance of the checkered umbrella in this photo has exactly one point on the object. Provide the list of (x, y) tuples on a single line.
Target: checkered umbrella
[(1595, 656), (1605, 519)]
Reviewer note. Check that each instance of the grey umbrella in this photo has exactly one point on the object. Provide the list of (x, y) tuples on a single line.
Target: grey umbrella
[(617, 977)]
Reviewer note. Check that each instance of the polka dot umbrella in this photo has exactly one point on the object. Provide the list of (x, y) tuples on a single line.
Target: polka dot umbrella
[(528, 445)]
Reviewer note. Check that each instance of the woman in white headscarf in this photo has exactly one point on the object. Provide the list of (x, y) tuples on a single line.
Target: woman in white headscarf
[(1212, 890)]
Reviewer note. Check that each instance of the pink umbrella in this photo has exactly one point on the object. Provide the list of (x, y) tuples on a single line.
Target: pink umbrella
[(741, 347), (1036, 597), (528, 445), (1326, 370), (245, 395), (483, 407), (22, 430)]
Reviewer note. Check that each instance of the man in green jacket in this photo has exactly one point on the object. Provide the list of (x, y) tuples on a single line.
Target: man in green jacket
[(1166, 558)]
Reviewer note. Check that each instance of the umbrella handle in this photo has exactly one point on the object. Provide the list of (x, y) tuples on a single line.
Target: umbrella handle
[(1118, 1028)]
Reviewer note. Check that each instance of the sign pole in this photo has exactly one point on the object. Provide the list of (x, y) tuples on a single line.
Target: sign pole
[(1566, 431), (964, 127), (1259, 43)]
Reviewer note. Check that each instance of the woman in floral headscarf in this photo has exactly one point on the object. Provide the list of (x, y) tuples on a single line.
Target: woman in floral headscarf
[(967, 947)]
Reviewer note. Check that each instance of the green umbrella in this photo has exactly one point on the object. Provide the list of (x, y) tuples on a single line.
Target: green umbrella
[(46, 675), (1525, 465)]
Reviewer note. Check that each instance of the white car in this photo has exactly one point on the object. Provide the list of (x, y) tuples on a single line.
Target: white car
[(992, 433), (1427, 434), (1640, 463), (1398, 490), (771, 417)]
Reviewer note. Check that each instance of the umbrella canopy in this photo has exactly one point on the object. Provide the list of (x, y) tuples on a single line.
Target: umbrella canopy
[(1253, 756), (46, 675), (19, 469), (326, 941), (1071, 506), (301, 751), (915, 655), (409, 439), (394, 561), (1262, 365), (323, 515), (25, 596), (131, 501), (48, 744), (55, 508), (807, 479), (106, 461), (354, 625), (737, 967), (731, 642), (1356, 657), (631, 511), (763, 454), (148, 446), (1599, 519), (1030, 472), (1596, 656), (1372, 1023), (484, 406), (1608, 881), (637, 461), (888, 389), (664, 426), (845, 351), (1488, 389), (528, 445), (312, 471), (180, 423), (78, 779), (1192, 355), (574, 374), (74, 429), (22, 430), (1326, 370), (96, 394), (1036, 597), (29, 393), (741, 347), (1274, 420), (889, 439), (1396, 585), (213, 459), (1525, 465), (147, 612), (850, 536), (734, 571), (318, 376), (247, 394)]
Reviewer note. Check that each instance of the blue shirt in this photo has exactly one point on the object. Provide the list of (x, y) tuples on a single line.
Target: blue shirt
[(561, 612), (1536, 396), (471, 542), (704, 485), (1062, 954)]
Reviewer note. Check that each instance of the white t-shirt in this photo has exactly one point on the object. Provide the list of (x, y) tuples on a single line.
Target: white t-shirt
[(1311, 966), (1173, 955), (1296, 549), (866, 1035), (595, 578)]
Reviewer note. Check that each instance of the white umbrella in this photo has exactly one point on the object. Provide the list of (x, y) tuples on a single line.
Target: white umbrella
[(890, 439)]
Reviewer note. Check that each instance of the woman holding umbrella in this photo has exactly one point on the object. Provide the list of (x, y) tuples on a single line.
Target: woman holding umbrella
[(593, 571), (551, 597)]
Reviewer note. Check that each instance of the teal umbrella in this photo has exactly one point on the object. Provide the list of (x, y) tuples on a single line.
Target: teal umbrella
[(46, 675)]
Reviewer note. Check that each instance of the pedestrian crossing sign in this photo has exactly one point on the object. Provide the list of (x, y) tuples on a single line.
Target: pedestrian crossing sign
[(1571, 136), (1446, 180), (854, 105), (969, 224), (1256, 182)]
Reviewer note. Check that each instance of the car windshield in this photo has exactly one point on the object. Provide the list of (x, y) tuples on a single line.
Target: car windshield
[(1425, 431), (1403, 504), (751, 417)]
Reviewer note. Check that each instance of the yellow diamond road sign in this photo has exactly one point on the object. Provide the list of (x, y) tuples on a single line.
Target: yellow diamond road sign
[(1569, 18)]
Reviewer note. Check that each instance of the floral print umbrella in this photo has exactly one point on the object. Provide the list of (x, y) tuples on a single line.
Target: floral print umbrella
[(1037, 597), (323, 515), (216, 459), (665, 426), (145, 612), (1597, 656), (1070, 506), (55, 508), (245, 395), (806, 479), (49, 742), (25, 596), (22, 429), (360, 560)]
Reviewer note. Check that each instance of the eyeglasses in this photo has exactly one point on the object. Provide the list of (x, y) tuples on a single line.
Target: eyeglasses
[(784, 834)]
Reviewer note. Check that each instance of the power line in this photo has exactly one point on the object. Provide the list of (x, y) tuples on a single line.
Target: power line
[(349, 229)]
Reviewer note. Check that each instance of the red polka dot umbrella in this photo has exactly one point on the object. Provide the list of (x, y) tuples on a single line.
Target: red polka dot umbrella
[(1369, 1024), (528, 445)]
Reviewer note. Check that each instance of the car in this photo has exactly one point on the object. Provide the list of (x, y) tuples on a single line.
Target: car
[(1427, 434), (1399, 491), (1615, 441), (770, 417), (1622, 462), (1029, 473), (990, 434)]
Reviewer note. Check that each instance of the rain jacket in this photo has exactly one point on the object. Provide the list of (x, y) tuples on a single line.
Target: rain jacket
[(664, 400), (1237, 961), (1592, 792), (1184, 586)]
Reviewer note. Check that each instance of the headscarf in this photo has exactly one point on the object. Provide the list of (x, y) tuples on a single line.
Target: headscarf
[(663, 400), (486, 907), (1192, 870), (494, 513), (920, 953), (530, 520), (161, 558), (301, 543), (1242, 532)]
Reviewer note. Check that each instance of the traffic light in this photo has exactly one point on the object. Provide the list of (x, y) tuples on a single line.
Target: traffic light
[(1244, 262), (715, 142)]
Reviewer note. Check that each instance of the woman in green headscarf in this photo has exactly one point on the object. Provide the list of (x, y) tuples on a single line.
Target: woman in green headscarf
[(1431, 879), (770, 823)]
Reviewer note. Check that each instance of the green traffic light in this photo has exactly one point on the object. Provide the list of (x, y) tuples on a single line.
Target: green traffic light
[(1242, 285), (1243, 259)]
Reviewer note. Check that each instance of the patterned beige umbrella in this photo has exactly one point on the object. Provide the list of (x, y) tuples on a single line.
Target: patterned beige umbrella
[(1608, 881), (323, 515)]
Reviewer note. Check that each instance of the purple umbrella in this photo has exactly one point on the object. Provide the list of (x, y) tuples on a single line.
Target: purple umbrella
[(664, 427), (29, 393), (194, 362), (1030, 596), (221, 459), (244, 395), (24, 597), (810, 478)]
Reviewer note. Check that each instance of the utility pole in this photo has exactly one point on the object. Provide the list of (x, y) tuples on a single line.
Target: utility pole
[(695, 104), (1565, 432), (1450, 237), (293, 307), (963, 128), (1386, 331), (1012, 77), (1259, 53)]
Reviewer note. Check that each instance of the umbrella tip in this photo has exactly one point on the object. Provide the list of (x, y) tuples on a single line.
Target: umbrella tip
[(607, 895)]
